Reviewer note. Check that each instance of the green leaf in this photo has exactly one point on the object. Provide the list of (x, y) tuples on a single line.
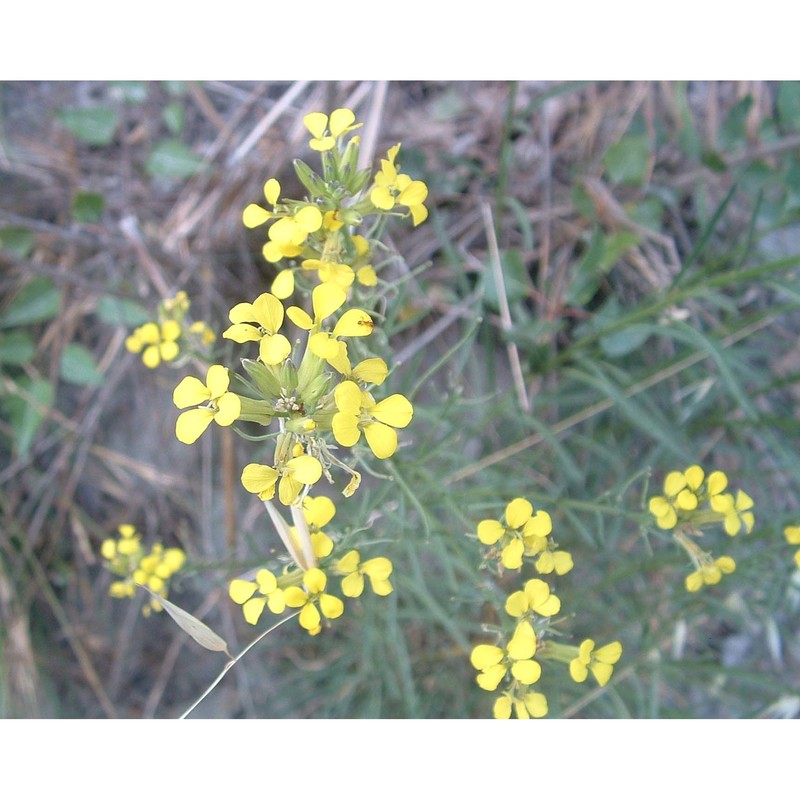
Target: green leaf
[(37, 301), (95, 126), (17, 241), (87, 207), (119, 311), (16, 348), (626, 161), (620, 343), (78, 366), (173, 117), (171, 158), (714, 161), (615, 245), (198, 630), (789, 104), (27, 412), (648, 212)]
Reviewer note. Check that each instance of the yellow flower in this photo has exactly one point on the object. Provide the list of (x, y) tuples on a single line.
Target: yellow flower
[(599, 662), (222, 406), (495, 662), (266, 584), (126, 559), (535, 597), (680, 494), (291, 477), (709, 573), (737, 514), (325, 131), (156, 343), (358, 411), (254, 215), (260, 322), (392, 188), (525, 706), (524, 533), (307, 599), (288, 234), (370, 370), (377, 570), (557, 561), (326, 299), (331, 271)]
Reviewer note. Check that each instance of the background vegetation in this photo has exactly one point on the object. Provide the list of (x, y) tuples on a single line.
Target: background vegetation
[(606, 290)]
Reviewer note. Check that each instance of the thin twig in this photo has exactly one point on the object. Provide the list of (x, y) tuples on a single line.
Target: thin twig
[(505, 310), (231, 664), (269, 119)]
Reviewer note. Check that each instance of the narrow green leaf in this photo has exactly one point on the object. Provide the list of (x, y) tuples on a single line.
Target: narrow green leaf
[(94, 126), (79, 367), (619, 344), (171, 158)]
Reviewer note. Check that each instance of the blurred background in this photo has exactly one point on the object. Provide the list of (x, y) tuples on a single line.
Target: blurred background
[(605, 291)]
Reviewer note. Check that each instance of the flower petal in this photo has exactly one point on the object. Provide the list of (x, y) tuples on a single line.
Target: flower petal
[(490, 531), (518, 512), (381, 438), (190, 391), (396, 411), (274, 349), (253, 609), (283, 285), (268, 311), (191, 424), (305, 469), (229, 406), (241, 591), (257, 478), (326, 299), (485, 655), (345, 428), (354, 322), (254, 215)]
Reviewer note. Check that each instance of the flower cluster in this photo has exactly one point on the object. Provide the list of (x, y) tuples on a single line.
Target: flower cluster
[(305, 583), (164, 340), (128, 561), (513, 663), (318, 397), (524, 533), (316, 236), (693, 500)]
